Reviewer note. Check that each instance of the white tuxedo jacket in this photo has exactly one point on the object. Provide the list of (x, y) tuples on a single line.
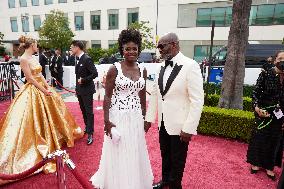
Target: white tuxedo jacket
[(182, 100)]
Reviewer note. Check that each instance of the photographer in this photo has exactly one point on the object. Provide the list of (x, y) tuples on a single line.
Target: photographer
[(265, 147)]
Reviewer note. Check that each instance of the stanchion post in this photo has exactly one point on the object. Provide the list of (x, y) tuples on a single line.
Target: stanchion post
[(60, 172)]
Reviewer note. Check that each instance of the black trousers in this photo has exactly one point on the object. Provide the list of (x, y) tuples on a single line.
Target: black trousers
[(59, 78), (86, 106), (174, 153), (53, 74)]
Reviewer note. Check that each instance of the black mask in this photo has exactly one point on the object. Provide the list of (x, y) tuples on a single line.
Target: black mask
[(280, 65)]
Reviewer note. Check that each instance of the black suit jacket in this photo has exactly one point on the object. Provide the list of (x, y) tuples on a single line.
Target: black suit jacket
[(43, 60), (71, 60), (86, 70), (59, 64)]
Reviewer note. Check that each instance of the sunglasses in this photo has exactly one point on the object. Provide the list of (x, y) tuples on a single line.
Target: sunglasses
[(161, 46)]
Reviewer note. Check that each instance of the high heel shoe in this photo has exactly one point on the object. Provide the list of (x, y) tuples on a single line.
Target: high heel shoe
[(272, 177)]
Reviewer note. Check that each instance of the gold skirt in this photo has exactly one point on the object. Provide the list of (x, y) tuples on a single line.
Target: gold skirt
[(34, 126)]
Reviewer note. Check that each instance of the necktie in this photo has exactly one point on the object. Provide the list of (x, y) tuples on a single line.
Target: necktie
[(168, 62), (77, 59)]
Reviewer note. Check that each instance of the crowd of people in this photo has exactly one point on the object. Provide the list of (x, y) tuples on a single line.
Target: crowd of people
[(43, 117)]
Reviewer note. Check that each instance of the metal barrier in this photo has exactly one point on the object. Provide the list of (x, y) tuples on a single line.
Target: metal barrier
[(7, 80)]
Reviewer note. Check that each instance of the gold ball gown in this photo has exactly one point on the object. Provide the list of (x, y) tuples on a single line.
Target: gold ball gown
[(34, 126)]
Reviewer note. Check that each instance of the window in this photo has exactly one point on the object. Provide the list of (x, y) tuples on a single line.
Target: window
[(113, 19), (133, 15), (202, 51), (95, 20), (14, 24), (228, 17), (252, 16), (279, 14), (25, 24), (221, 15), (264, 15), (79, 21), (218, 14), (23, 3), (37, 22), (203, 17), (11, 3), (184, 14), (48, 2), (96, 44), (111, 43), (62, 1), (35, 2)]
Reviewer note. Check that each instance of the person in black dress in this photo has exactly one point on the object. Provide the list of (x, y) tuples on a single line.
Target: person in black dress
[(265, 147)]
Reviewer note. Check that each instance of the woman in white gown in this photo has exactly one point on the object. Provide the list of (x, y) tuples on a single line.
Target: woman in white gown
[(125, 163)]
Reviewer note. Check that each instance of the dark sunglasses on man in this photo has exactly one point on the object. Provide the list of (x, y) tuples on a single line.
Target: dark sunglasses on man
[(162, 46)]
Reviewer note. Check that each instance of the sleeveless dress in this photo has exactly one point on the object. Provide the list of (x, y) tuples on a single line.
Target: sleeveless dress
[(34, 126), (125, 165)]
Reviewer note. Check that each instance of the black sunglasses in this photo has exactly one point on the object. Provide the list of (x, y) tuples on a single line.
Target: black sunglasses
[(161, 46)]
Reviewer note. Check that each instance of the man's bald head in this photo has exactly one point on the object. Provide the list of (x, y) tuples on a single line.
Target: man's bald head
[(170, 37)]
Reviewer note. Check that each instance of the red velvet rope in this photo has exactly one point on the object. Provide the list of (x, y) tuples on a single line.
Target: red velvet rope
[(63, 87), (85, 183), (25, 173)]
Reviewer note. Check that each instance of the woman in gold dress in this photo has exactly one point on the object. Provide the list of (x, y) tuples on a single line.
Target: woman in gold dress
[(36, 123)]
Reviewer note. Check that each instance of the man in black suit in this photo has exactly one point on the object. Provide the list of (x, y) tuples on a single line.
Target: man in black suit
[(43, 60), (58, 68), (52, 67), (72, 60), (85, 71)]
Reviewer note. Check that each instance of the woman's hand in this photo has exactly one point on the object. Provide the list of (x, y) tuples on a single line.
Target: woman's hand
[(107, 128), (147, 126), (47, 92), (261, 112)]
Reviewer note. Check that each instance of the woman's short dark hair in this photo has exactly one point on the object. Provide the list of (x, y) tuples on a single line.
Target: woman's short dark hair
[(129, 35), (78, 43)]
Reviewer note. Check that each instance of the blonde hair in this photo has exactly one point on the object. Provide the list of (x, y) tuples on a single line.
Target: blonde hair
[(26, 42)]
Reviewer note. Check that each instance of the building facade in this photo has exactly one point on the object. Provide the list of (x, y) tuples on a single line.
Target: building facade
[(100, 22)]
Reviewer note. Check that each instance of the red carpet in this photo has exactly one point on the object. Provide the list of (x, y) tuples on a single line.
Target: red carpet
[(213, 163)]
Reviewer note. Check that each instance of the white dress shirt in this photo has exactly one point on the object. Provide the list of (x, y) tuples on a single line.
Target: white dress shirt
[(169, 70), (79, 57)]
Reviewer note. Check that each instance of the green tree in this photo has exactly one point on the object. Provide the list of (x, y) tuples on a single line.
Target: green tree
[(55, 31), (146, 32), (234, 70), (97, 53)]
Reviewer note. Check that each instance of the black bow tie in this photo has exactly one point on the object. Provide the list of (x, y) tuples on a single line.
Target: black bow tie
[(77, 58), (168, 62)]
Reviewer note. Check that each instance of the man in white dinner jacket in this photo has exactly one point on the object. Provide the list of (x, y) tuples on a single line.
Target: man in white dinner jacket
[(177, 96)]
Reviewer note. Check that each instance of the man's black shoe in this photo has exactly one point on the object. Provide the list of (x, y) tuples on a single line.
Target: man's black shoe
[(159, 185), (90, 139)]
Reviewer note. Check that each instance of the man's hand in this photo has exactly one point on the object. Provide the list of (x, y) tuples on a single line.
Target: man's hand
[(185, 137), (147, 126)]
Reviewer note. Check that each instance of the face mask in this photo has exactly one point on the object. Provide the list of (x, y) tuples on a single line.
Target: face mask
[(280, 65)]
